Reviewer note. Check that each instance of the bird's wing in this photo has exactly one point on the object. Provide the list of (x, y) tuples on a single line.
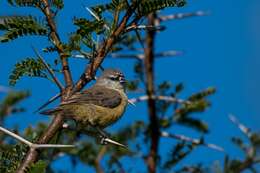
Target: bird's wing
[(100, 96)]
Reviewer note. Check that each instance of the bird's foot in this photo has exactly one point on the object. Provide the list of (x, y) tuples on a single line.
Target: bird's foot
[(103, 136), (103, 140)]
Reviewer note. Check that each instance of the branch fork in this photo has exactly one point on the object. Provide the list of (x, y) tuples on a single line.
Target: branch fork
[(33, 145)]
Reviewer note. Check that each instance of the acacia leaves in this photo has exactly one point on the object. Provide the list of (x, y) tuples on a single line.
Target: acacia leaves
[(58, 4), (148, 6), (18, 26), (196, 103), (28, 67), (25, 3)]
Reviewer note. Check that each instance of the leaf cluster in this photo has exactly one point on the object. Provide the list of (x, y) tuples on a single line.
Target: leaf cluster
[(19, 26), (28, 67)]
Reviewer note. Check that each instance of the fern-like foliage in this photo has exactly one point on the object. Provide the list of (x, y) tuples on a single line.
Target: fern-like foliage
[(7, 106), (178, 153), (28, 67), (18, 26), (25, 3), (114, 5), (197, 103), (86, 26), (10, 158), (58, 4), (147, 6), (38, 167)]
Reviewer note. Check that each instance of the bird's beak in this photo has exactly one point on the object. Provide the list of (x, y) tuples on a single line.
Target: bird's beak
[(122, 80)]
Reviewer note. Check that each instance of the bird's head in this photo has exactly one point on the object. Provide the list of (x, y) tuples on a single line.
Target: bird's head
[(112, 78)]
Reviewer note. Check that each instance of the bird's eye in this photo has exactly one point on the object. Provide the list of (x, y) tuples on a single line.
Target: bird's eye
[(113, 78)]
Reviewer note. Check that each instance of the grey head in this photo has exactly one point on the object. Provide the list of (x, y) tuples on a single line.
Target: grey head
[(112, 78)]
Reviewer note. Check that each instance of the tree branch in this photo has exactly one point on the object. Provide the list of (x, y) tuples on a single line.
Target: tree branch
[(86, 77), (149, 72), (55, 79), (99, 157), (191, 140), (164, 98), (91, 69), (32, 154), (56, 41), (33, 145), (48, 102), (182, 15), (241, 126), (142, 56)]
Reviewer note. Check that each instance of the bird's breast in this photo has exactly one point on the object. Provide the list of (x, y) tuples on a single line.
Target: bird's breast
[(101, 116)]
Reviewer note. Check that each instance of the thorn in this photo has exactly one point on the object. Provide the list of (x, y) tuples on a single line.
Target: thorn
[(48, 102), (131, 103), (114, 142)]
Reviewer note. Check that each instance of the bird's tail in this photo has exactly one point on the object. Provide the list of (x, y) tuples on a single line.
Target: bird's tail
[(50, 111)]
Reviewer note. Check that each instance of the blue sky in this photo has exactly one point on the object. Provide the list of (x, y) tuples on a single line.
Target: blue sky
[(221, 50)]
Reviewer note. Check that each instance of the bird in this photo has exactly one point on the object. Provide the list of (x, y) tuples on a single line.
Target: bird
[(98, 106)]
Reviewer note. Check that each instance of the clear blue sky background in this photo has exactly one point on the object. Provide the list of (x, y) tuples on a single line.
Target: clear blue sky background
[(221, 50)]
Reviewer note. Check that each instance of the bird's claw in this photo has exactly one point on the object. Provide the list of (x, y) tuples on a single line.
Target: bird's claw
[(103, 140)]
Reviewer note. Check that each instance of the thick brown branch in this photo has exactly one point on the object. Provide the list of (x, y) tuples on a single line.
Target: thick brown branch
[(149, 71)]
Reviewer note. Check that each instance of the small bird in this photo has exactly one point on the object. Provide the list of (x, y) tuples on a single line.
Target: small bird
[(99, 106)]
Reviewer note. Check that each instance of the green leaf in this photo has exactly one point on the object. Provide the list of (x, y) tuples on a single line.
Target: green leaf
[(193, 123), (18, 26), (38, 167), (10, 158), (25, 3), (179, 88), (192, 107), (28, 67), (202, 94), (13, 98), (132, 85), (59, 4), (148, 6), (179, 152), (87, 26), (50, 49), (114, 5)]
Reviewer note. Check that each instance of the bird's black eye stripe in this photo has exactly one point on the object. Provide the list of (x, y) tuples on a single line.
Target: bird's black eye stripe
[(114, 77)]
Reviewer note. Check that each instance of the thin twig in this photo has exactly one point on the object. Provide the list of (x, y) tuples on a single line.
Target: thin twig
[(48, 102), (33, 145), (5, 89), (193, 141), (164, 98), (144, 27), (241, 126), (182, 15), (96, 17), (142, 56), (98, 159), (51, 72)]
